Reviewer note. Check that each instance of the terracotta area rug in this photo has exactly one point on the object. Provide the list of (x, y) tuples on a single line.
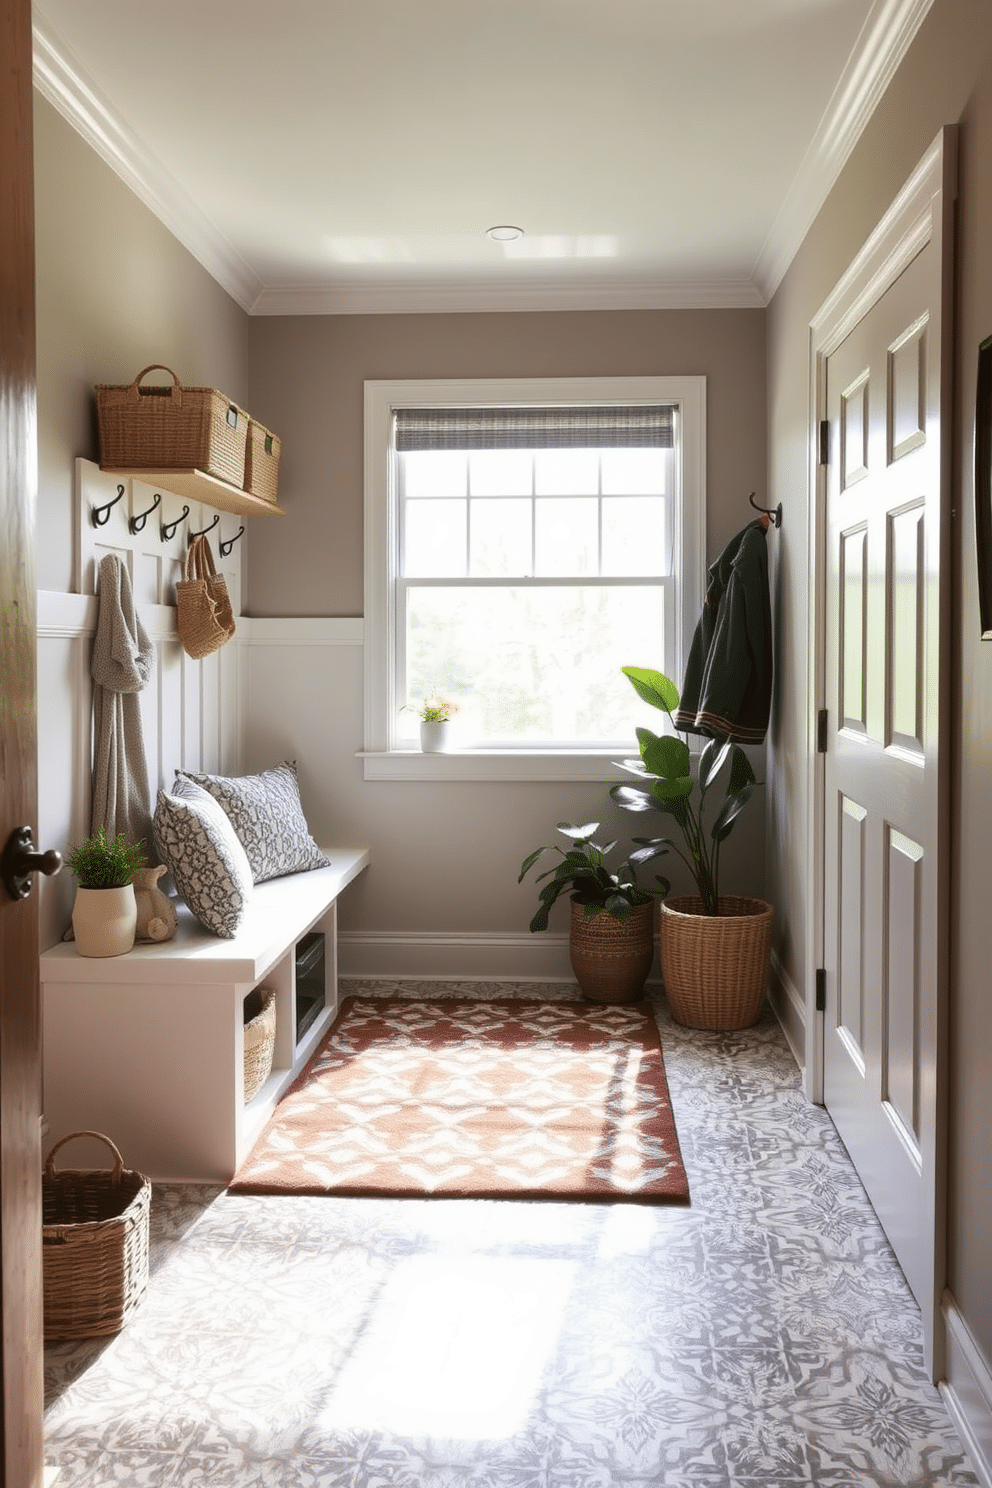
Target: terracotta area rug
[(513, 1099)]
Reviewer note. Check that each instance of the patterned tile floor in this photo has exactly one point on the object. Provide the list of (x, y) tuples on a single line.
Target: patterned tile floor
[(763, 1336)]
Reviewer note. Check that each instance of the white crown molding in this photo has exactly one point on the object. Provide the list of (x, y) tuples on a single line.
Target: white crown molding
[(63, 82), (400, 297), (884, 40)]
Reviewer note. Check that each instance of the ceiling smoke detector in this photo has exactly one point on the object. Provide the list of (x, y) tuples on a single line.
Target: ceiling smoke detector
[(504, 234)]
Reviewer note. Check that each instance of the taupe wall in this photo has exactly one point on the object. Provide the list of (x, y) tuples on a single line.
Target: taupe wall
[(306, 380), (445, 856), (946, 78), (116, 291)]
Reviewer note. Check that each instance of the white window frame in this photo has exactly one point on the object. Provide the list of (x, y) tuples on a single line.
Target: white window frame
[(383, 760)]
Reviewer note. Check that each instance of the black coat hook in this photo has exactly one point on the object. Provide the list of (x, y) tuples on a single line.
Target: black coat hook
[(137, 524), (773, 513), (168, 529), (225, 547), (192, 536), (101, 514)]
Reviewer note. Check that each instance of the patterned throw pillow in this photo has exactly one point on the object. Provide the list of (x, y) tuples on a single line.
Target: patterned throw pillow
[(197, 843), (266, 813)]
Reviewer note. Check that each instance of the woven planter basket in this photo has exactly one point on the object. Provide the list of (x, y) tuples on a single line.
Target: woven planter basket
[(94, 1245), (262, 462), (611, 958), (171, 428), (260, 1042), (715, 967)]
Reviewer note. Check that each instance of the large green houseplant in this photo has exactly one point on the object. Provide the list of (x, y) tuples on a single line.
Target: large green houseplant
[(666, 762), (715, 948), (611, 940)]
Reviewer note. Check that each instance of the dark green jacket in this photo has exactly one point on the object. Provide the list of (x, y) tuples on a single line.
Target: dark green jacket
[(727, 690)]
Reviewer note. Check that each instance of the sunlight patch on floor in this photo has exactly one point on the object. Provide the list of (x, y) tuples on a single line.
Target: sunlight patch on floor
[(457, 1348)]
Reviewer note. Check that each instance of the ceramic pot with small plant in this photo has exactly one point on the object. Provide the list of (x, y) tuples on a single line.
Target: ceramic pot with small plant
[(715, 948), (435, 715), (105, 914), (611, 931)]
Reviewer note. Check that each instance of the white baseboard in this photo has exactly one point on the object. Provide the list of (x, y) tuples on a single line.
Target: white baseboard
[(967, 1391), (440, 957), (789, 1008), (436, 957)]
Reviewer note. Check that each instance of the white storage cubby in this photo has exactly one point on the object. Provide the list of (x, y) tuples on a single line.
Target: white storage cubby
[(148, 1047)]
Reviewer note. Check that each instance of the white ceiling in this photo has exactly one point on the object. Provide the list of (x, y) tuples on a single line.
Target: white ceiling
[(348, 155)]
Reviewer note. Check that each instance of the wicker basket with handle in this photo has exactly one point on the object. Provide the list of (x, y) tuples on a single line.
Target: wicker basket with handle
[(260, 1039), (171, 428), (94, 1245)]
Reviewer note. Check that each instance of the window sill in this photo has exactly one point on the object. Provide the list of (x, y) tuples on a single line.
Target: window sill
[(495, 764)]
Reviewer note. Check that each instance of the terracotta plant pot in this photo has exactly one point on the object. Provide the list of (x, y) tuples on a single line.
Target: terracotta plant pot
[(715, 967), (611, 958), (104, 921)]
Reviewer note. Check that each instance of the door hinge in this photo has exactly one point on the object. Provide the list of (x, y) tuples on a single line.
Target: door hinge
[(824, 455), (821, 731), (821, 989)]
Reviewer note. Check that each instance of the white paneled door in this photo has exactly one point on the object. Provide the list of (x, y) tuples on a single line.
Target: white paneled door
[(885, 609)]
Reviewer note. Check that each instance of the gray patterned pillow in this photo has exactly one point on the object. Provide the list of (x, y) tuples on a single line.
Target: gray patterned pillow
[(196, 842), (266, 813)]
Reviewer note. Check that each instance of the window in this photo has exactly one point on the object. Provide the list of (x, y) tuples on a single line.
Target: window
[(524, 541)]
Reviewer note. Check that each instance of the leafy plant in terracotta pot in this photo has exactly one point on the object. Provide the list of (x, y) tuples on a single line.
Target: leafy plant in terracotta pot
[(611, 935), (105, 914), (715, 948)]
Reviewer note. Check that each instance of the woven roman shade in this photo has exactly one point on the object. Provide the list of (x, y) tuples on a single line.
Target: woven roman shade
[(531, 428)]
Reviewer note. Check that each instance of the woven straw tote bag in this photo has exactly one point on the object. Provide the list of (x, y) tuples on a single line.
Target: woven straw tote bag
[(203, 606)]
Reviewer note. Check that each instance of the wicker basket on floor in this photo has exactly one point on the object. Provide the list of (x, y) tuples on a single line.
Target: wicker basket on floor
[(94, 1245), (260, 1041), (715, 967)]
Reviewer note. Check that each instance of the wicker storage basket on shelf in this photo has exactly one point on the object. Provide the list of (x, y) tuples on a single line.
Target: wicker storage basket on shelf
[(171, 428), (94, 1245), (262, 462), (260, 1040)]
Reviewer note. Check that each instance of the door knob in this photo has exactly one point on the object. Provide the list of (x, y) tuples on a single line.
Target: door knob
[(19, 860)]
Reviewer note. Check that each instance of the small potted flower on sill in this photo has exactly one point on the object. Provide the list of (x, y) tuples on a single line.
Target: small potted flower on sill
[(435, 724)]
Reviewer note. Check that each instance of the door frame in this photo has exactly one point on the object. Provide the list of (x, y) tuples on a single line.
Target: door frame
[(921, 213), (21, 1351)]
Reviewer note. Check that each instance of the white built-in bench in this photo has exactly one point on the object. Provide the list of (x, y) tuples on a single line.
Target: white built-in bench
[(148, 1047)]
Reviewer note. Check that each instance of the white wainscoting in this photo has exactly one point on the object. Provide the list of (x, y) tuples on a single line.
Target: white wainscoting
[(190, 710)]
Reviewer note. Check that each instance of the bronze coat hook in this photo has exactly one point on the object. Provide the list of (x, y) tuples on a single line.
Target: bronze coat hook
[(192, 536), (168, 529), (225, 547), (137, 524), (774, 514), (101, 514)]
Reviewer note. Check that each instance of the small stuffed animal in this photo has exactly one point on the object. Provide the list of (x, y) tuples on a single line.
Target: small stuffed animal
[(156, 911)]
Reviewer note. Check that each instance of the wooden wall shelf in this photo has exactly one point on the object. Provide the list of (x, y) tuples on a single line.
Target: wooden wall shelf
[(197, 485)]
